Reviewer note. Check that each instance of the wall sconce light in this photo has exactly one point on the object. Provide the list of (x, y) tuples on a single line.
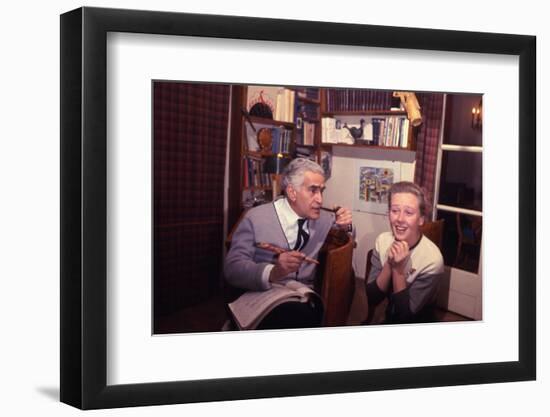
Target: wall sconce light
[(410, 103), (476, 116)]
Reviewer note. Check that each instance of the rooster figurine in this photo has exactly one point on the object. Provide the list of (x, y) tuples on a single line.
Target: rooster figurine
[(356, 132)]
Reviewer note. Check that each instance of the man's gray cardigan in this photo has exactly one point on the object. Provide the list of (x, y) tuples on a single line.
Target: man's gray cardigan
[(245, 263)]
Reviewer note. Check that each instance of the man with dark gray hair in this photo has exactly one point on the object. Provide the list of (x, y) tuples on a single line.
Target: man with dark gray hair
[(295, 223)]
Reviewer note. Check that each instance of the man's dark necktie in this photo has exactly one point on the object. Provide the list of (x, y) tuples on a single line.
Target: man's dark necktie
[(303, 236)]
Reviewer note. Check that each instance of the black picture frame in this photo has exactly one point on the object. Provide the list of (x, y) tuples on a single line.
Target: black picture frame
[(84, 206)]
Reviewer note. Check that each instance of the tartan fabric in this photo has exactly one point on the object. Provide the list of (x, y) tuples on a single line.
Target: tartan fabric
[(187, 265), (189, 151), (427, 141)]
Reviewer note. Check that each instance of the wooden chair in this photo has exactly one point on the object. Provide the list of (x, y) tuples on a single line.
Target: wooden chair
[(434, 232), (335, 277)]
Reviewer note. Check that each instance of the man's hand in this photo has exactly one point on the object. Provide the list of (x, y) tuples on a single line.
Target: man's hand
[(287, 263), (343, 216)]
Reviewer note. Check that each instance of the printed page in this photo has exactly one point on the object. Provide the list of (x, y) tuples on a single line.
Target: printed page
[(253, 303)]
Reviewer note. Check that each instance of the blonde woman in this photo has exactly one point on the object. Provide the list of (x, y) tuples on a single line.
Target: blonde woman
[(406, 266)]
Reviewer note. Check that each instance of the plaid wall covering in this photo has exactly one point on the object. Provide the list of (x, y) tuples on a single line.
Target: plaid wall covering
[(427, 141), (190, 137)]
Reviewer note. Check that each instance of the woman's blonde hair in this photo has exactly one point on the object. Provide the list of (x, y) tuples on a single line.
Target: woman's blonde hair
[(411, 188)]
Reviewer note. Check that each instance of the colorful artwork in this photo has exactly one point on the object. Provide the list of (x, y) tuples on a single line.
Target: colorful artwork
[(374, 184)]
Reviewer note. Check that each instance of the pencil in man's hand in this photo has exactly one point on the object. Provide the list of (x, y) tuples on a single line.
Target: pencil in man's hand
[(276, 249)]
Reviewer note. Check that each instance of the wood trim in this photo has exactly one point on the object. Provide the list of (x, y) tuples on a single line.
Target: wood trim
[(236, 132)]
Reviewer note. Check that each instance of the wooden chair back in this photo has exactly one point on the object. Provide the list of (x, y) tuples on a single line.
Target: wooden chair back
[(336, 283), (434, 232)]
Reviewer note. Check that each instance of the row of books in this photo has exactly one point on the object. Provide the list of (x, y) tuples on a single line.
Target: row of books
[(281, 140), (285, 106), (306, 136), (254, 175), (347, 99), (391, 131)]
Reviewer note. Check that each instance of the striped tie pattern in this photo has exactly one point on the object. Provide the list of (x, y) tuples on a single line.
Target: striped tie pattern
[(303, 236)]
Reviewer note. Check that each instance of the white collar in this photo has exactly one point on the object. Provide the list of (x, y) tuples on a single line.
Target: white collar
[(286, 212), (288, 220)]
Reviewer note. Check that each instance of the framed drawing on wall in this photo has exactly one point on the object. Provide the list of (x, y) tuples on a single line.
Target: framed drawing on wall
[(372, 183), (109, 354)]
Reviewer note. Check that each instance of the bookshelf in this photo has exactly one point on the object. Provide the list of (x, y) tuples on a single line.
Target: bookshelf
[(270, 126), (384, 125), (265, 130), (308, 123), (273, 124), (265, 142)]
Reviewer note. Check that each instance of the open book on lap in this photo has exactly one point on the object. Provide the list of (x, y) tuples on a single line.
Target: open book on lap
[(253, 306)]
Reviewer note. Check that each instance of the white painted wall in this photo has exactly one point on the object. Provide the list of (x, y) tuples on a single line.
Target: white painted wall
[(341, 188), (462, 291)]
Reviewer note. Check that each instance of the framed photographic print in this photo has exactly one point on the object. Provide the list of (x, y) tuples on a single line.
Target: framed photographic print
[(157, 171)]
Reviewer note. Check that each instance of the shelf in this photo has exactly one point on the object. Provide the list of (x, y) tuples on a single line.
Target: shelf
[(262, 154), (288, 134), (271, 122), (382, 148), (370, 116), (310, 120), (366, 113)]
